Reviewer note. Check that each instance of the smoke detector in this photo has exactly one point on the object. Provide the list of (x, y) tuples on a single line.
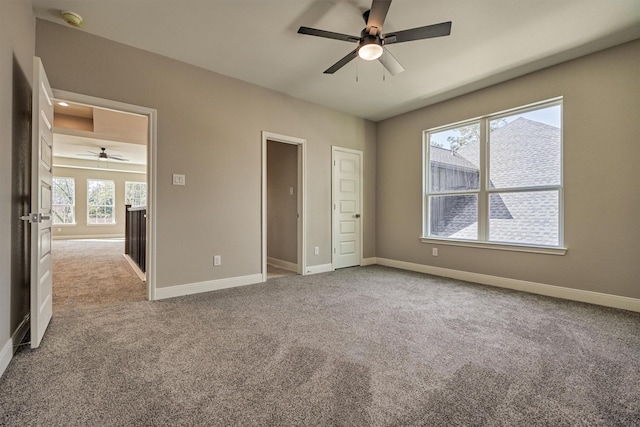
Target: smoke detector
[(72, 18)]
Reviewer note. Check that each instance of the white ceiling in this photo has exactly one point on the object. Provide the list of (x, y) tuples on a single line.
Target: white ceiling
[(81, 131), (73, 146), (257, 41)]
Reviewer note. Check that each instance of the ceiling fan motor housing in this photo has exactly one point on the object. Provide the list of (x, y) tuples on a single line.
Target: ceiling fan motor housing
[(370, 47)]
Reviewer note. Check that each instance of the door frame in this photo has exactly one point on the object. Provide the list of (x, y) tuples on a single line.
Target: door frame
[(152, 177), (302, 186), (334, 150)]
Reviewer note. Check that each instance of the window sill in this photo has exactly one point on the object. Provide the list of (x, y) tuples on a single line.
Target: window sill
[(66, 224), (101, 225), (547, 250)]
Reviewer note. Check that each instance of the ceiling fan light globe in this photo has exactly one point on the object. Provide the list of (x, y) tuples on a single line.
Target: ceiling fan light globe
[(370, 51)]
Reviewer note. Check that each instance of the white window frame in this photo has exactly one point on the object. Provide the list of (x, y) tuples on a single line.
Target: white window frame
[(484, 191), (73, 205), (89, 223), (126, 191)]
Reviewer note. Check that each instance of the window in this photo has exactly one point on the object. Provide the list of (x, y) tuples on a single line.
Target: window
[(497, 179), (135, 193), (100, 202), (64, 200)]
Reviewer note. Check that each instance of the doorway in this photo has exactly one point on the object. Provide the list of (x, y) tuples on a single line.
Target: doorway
[(283, 204), (116, 157)]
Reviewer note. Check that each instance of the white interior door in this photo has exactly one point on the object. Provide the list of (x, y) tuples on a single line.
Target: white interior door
[(347, 201), (40, 217)]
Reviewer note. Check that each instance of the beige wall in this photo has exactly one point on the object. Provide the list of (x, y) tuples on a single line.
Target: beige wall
[(81, 229), (209, 128), (282, 207), (601, 168), (17, 44)]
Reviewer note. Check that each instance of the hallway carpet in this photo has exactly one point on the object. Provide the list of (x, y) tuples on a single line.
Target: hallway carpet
[(354, 347)]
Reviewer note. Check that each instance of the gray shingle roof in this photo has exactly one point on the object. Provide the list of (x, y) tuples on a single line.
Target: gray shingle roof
[(523, 153), (447, 157)]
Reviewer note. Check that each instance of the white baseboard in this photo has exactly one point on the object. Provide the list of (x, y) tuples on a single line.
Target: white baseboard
[(368, 261), (135, 268), (286, 265), (607, 300), (87, 236), (316, 269), (210, 285), (6, 354)]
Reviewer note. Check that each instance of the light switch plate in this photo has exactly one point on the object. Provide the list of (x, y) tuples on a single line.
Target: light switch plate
[(178, 179)]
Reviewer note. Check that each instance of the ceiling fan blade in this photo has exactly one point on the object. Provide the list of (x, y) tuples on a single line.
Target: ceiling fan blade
[(420, 33), (88, 155), (390, 63), (328, 34), (344, 61), (120, 159), (377, 15)]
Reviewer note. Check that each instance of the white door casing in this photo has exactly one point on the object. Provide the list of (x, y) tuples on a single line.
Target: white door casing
[(40, 217), (302, 185), (152, 178), (347, 205)]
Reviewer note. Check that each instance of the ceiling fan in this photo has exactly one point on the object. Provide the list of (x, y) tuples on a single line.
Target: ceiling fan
[(371, 41), (102, 155)]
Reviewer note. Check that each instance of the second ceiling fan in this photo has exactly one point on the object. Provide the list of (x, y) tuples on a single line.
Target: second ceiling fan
[(371, 41), (102, 155)]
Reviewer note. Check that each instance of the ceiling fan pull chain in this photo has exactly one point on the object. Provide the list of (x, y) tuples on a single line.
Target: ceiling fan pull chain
[(357, 61)]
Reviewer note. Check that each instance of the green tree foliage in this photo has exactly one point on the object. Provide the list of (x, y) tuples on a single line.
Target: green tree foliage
[(471, 133), (100, 201), (63, 195)]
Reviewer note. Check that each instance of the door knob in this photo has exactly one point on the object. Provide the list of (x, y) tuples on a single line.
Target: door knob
[(357, 215)]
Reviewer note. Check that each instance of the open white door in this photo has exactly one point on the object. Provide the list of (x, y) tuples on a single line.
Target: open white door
[(40, 216), (347, 202)]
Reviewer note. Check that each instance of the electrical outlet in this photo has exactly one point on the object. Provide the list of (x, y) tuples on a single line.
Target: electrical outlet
[(217, 260), (316, 250), (434, 251), (291, 191)]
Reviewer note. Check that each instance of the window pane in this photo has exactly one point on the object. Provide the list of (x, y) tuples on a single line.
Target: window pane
[(63, 200), (136, 193), (525, 149), (63, 191), (62, 214), (527, 218), (454, 216), (453, 159), (100, 202)]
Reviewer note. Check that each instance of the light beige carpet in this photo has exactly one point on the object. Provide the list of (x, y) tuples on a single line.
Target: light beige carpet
[(92, 273), (355, 347)]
